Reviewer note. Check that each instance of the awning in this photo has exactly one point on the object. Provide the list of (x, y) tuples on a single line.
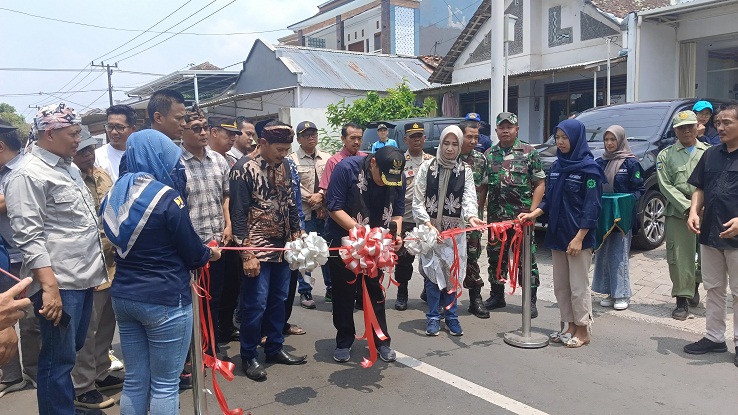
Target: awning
[(532, 74)]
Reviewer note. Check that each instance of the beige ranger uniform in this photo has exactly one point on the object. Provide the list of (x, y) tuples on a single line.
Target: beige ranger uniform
[(673, 167)]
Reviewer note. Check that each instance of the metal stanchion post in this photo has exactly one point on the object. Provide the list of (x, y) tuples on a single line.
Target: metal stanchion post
[(524, 338), (199, 399)]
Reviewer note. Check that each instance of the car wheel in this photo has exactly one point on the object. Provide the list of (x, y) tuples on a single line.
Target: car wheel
[(651, 234)]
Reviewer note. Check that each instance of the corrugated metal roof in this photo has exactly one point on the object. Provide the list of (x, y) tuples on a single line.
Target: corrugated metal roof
[(336, 69)]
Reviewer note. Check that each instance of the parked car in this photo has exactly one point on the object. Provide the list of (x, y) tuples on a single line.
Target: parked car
[(648, 128), (433, 127)]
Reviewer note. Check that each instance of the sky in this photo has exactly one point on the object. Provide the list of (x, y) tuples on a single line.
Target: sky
[(33, 42)]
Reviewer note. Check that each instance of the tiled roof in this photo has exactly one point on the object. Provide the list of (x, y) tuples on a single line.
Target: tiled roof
[(620, 8)]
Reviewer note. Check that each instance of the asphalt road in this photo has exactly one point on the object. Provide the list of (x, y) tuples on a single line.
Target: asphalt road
[(631, 367)]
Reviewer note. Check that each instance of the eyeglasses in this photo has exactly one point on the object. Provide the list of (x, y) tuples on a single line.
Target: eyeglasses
[(197, 129), (117, 127), (308, 135)]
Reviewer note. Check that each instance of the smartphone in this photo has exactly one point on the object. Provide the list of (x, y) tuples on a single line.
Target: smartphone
[(65, 319)]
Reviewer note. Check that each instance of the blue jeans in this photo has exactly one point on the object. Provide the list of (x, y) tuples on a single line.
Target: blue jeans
[(154, 339), (437, 297), (59, 348), (262, 309), (314, 225), (611, 270)]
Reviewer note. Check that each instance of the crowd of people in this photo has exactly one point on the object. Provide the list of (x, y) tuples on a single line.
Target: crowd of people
[(114, 236)]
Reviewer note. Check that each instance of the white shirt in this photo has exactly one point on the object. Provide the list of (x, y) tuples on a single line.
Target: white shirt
[(108, 159)]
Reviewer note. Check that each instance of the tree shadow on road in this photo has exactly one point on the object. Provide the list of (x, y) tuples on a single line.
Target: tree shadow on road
[(671, 345)]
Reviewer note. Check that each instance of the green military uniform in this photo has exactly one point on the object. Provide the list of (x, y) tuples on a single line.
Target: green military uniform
[(673, 167), (511, 175), (478, 164)]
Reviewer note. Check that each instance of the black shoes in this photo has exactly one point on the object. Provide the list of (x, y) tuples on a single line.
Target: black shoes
[(284, 358), (476, 306), (681, 312), (185, 381), (93, 400), (401, 302), (254, 370), (695, 300), (705, 345), (496, 298), (110, 382)]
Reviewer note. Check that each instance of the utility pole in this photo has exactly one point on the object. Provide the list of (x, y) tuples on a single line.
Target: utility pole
[(110, 77)]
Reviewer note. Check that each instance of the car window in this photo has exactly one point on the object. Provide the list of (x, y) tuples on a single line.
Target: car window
[(438, 129), (640, 123)]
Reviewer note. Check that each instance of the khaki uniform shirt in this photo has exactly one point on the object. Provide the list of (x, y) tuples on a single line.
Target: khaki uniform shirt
[(674, 165), (99, 183), (310, 171)]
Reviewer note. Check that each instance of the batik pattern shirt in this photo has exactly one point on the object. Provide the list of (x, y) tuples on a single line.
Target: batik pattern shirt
[(511, 176), (263, 209)]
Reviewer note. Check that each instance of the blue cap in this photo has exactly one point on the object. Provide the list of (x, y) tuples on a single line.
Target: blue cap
[(473, 116), (700, 105)]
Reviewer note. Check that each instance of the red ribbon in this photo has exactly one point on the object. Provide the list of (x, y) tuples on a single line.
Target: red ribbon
[(208, 339), (371, 327)]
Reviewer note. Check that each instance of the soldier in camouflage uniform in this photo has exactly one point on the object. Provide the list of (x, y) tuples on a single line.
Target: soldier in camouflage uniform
[(473, 280), (515, 183)]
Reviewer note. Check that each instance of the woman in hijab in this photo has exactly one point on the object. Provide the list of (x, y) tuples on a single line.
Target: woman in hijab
[(444, 198), (572, 204), (156, 247), (624, 175)]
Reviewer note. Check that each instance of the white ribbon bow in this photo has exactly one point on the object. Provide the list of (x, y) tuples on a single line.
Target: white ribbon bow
[(306, 253), (420, 240)]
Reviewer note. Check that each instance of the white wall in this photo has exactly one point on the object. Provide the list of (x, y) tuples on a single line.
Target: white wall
[(536, 53), (367, 22), (658, 63)]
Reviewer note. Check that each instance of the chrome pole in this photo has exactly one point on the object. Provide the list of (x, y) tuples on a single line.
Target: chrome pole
[(524, 338)]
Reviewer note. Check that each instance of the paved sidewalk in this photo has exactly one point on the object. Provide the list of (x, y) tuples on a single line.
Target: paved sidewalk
[(651, 301)]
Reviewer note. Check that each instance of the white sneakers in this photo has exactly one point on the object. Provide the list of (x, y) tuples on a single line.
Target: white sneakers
[(616, 303), (607, 302), (621, 303), (115, 364)]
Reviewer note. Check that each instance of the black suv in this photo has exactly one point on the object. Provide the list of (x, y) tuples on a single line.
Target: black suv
[(433, 127), (648, 128)]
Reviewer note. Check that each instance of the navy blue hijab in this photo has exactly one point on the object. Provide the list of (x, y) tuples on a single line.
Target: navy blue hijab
[(578, 160)]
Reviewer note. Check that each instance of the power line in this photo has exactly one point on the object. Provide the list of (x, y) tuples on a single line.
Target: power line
[(24, 94), (149, 40), (122, 29), (156, 44), (145, 31)]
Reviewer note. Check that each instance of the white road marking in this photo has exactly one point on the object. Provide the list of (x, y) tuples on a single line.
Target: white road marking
[(469, 387)]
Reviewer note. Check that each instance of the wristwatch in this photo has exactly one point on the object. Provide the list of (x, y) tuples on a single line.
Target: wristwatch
[(212, 253)]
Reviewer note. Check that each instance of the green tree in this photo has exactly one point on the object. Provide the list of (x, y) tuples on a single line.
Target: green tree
[(399, 103), (9, 114)]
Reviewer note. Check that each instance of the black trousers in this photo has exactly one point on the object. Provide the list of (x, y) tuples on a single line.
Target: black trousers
[(217, 279), (404, 266), (290, 299), (231, 288), (344, 295)]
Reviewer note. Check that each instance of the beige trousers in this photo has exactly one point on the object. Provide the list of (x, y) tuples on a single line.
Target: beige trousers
[(571, 286), (92, 359), (719, 269)]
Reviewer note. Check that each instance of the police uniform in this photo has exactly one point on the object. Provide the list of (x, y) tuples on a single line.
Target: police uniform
[(673, 168), (404, 267), (511, 176)]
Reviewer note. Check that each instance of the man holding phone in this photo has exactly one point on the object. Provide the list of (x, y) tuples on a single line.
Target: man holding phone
[(54, 222)]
